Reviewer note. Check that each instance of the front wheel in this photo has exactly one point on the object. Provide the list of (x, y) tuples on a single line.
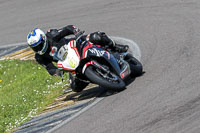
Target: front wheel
[(107, 80)]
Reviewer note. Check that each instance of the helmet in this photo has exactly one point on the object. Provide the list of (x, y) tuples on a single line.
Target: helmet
[(37, 40)]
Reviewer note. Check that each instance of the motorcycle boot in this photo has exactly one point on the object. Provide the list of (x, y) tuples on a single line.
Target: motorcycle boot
[(117, 47), (121, 48)]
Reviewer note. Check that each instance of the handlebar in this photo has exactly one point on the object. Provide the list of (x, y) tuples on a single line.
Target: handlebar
[(79, 35)]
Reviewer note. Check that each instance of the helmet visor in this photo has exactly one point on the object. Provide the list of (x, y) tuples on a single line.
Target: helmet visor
[(39, 46)]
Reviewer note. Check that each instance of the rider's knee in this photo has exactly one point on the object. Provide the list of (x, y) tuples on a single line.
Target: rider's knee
[(100, 38)]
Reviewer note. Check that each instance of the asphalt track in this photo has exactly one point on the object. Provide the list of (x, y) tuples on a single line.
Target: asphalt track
[(166, 99)]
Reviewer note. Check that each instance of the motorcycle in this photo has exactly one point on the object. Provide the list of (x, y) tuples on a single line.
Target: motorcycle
[(98, 65)]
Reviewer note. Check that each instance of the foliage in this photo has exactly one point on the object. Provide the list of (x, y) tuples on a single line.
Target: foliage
[(25, 89)]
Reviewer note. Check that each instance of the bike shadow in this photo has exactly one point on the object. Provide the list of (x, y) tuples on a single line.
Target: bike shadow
[(87, 94), (95, 92)]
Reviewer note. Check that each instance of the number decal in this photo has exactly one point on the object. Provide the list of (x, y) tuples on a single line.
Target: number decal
[(73, 63)]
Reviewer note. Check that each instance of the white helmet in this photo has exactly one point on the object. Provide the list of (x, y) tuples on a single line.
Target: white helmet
[(37, 40)]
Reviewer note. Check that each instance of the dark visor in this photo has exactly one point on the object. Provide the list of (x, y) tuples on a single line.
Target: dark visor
[(39, 46)]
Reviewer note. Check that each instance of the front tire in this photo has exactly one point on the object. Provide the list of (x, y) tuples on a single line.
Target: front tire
[(92, 74)]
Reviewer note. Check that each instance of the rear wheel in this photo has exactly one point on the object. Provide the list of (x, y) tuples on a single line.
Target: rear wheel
[(107, 80), (135, 66)]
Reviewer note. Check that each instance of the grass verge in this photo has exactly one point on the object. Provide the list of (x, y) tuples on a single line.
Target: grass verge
[(25, 89)]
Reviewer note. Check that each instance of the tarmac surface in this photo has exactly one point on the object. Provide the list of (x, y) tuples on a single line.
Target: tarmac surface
[(167, 97)]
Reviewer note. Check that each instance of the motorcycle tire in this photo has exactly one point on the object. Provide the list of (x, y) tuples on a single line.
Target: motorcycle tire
[(135, 66), (92, 74)]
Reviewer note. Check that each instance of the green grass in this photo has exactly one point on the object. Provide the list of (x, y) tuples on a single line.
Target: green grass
[(25, 89)]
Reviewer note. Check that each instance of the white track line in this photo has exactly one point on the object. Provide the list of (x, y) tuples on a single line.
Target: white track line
[(74, 116)]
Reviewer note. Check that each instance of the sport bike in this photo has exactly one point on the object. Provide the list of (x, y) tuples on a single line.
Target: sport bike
[(99, 65)]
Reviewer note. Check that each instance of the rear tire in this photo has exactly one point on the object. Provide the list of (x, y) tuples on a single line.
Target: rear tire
[(92, 74), (135, 66)]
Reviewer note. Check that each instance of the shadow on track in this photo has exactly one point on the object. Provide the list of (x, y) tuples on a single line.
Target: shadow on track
[(95, 92)]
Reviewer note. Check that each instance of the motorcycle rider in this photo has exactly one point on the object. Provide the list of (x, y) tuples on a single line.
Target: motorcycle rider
[(45, 45)]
